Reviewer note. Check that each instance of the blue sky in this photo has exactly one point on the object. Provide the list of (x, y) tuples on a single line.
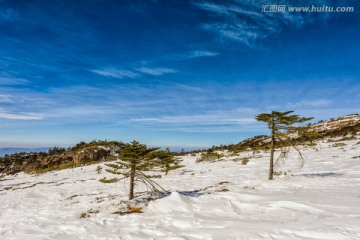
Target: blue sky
[(169, 73)]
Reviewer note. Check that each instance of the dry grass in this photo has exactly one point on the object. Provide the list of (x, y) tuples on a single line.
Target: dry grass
[(339, 144), (110, 180), (243, 161), (129, 210)]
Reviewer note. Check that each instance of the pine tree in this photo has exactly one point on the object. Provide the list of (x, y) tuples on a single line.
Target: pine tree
[(166, 160), (135, 159), (279, 123)]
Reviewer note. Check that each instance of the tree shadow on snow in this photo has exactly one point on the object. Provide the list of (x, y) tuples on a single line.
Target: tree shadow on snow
[(194, 193), (150, 197), (323, 174)]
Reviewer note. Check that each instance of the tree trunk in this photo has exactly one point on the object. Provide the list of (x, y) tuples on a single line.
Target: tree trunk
[(167, 169), (132, 180), (271, 169)]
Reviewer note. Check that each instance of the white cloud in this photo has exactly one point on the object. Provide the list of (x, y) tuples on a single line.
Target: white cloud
[(312, 103), (245, 23), (116, 73), (13, 81), (208, 122), (196, 54), (6, 98), (155, 71), (192, 54), (133, 73), (20, 116), (205, 119)]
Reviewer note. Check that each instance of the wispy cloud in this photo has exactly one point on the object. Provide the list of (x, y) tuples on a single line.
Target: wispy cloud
[(215, 121), (12, 81), (15, 116), (155, 71), (191, 54), (116, 73), (133, 72), (6, 98), (197, 54), (195, 119), (311, 103), (244, 22)]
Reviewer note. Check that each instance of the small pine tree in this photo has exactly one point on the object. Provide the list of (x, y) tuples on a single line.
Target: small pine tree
[(278, 123), (166, 160), (136, 158)]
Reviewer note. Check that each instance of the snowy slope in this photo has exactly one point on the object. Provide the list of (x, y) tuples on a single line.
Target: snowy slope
[(221, 200)]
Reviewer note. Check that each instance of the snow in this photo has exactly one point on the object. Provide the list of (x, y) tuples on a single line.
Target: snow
[(220, 200)]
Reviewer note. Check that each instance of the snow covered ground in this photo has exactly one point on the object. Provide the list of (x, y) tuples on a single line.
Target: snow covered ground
[(221, 200)]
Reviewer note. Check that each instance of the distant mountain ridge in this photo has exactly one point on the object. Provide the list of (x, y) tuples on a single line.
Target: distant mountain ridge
[(12, 150), (45, 159)]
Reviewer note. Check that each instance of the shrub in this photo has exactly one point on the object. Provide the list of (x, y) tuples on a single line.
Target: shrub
[(110, 180), (209, 157), (84, 215), (280, 173), (244, 161)]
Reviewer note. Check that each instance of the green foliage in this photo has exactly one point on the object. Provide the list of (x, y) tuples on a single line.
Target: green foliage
[(94, 143), (56, 151), (166, 160), (280, 122), (133, 154)]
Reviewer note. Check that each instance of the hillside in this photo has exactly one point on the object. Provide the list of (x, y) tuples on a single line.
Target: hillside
[(226, 199), (337, 126), (346, 127), (59, 158)]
